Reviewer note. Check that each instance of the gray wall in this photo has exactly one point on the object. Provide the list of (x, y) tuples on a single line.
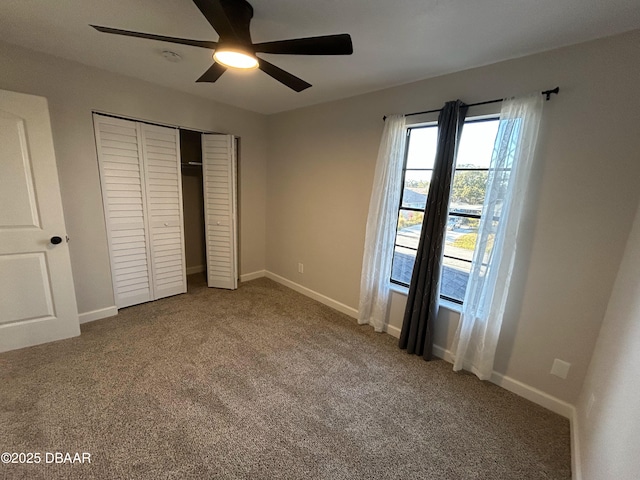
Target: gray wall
[(73, 91), (584, 192), (609, 405)]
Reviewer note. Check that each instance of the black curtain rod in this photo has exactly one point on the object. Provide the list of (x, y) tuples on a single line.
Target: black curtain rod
[(546, 92)]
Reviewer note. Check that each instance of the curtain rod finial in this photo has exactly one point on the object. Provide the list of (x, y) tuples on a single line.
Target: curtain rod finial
[(549, 92)]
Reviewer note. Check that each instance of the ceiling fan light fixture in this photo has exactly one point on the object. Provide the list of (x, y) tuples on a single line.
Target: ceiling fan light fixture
[(231, 19), (236, 59)]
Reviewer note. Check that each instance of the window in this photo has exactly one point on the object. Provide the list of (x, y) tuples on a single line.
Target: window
[(465, 205)]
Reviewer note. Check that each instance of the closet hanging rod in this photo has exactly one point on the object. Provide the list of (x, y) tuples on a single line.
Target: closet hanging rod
[(191, 164)]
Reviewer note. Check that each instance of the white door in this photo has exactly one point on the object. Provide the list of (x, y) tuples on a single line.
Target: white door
[(123, 194), (142, 195), (163, 185), (219, 178), (37, 297)]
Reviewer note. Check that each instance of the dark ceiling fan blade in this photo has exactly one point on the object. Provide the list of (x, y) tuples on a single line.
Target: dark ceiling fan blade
[(213, 73), (229, 18), (324, 45), (162, 38), (283, 77)]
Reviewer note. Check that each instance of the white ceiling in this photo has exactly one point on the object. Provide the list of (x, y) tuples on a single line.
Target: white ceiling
[(394, 41)]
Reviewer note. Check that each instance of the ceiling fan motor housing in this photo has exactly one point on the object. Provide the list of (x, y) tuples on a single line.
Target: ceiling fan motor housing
[(239, 13)]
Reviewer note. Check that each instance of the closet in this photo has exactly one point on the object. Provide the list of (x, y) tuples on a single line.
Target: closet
[(209, 201), (193, 201), (140, 175)]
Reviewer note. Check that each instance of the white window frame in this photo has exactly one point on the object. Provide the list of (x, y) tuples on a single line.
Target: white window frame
[(400, 286)]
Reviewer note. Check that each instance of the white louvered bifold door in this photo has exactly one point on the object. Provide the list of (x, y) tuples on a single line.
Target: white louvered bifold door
[(161, 154), (219, 178), (123, 192)]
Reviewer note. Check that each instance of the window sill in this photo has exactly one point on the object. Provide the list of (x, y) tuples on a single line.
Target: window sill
[(451, 306)]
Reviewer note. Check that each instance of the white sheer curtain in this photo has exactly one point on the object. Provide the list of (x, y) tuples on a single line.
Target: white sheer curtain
[(381, 223), (493, 260)]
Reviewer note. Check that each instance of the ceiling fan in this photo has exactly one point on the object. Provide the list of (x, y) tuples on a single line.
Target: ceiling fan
[(231, 19)]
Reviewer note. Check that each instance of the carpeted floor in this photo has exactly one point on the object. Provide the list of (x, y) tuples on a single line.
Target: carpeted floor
[(262, 383)]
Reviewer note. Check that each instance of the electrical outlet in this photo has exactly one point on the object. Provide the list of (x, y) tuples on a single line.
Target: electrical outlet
[(560, 368), (300, 268)]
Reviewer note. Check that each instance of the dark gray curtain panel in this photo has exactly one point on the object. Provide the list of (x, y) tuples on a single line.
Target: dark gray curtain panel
[(424, 291)]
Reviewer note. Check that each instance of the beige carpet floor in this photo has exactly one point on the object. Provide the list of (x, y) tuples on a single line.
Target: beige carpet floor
[(262, 383)]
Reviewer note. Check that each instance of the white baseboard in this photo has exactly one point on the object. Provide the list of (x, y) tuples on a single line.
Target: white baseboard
[(97, 314), (533, 394), (576, 464), (393, 331), (443, 353), (330, 302), (521, 389), (195, 269), (252, 276)]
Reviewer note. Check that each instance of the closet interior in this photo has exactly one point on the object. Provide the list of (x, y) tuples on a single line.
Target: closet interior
[(193, 201)]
